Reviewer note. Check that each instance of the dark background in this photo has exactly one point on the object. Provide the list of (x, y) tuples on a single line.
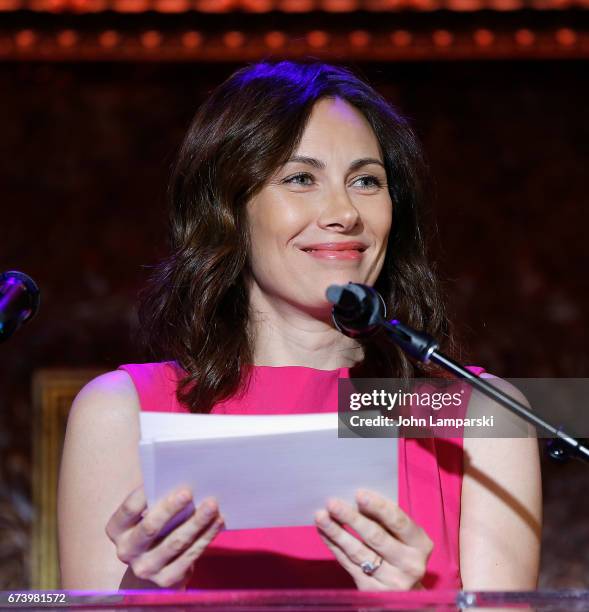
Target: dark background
[(85, 151)]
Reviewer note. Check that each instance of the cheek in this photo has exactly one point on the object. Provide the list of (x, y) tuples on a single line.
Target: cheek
[(386, 221), (380, 218), (273, 224), (275, 220)]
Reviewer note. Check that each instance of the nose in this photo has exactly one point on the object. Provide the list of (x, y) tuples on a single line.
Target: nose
[(338, 211)]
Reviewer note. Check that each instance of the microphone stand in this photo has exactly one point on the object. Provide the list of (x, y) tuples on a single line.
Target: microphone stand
[(424, 348)]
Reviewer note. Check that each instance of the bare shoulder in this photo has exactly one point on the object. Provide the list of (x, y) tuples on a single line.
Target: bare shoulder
[(505, 386), (506, 424), (509, 436), (100, 467), (107, 400), (116, 385)]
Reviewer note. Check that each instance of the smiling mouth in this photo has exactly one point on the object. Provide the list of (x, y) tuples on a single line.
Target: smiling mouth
[(342, 255), (359, 250)]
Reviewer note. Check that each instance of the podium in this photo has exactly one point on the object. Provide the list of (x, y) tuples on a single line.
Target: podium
[(296, 600)]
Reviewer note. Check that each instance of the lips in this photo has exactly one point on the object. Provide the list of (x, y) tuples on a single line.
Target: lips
[(336, 246), (351, 251)]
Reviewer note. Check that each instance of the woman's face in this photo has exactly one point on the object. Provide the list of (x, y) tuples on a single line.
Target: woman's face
[(325, 216)]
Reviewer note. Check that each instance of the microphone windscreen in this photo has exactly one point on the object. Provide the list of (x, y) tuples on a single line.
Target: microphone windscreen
[(334, 293)]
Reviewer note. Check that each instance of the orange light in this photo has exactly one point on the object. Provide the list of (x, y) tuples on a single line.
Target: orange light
[(214, 6), (296, 6), (464, 5), (275, 39), (483, 38), (132, 6), (257, 6), (506, 5), (10, 5), (401, 38), (317, 39), (340, 6), (566, 37), (442, 38), (191, 40), (89, 6), (55, 6), (109, 39), (525, 38), (151, 39), (172, 6), (426, 5), (233, 39), (359, 38), (25, 39), (67, 38)]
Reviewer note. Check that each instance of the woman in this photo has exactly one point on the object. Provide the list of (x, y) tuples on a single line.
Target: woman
[(292, 177)]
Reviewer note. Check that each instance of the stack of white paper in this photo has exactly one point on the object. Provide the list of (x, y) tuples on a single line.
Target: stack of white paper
[(264, 470)]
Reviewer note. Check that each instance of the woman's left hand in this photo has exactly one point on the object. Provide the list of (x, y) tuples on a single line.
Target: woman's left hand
[(386, 533)]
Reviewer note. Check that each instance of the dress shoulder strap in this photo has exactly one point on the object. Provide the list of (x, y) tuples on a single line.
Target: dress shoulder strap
[(156, 385)]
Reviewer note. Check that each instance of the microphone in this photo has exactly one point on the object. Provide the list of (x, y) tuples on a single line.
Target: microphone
[(19, 302), (358, 310)]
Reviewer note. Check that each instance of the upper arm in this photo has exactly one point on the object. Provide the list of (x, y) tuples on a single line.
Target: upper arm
[(99, 468), (501, 508)]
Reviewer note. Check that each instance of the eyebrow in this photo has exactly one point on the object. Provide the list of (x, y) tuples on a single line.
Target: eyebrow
[(316, 163)]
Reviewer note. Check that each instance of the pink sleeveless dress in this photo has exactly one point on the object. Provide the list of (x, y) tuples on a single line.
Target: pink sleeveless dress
[(430, 482)]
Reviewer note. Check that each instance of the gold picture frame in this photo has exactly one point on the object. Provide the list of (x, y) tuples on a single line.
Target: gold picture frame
[(53, 392)]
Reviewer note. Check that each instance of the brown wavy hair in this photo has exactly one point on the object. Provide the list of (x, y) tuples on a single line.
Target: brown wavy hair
[(194, 310)]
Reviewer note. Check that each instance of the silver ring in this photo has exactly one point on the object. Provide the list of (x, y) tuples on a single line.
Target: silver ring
[(368, 567)]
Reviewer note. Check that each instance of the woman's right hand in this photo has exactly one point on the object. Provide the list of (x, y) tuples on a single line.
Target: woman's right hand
[(166, 561)]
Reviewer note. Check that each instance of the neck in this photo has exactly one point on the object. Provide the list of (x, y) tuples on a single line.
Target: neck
[(284, 335)]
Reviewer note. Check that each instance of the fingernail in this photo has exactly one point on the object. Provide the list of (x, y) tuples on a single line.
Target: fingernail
[(334, 506), (209, 510), (363, 498), (183, 497), (322, 519)]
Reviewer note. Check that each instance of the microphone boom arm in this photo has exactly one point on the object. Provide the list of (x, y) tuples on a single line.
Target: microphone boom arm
[(359, 310), (424, 348)]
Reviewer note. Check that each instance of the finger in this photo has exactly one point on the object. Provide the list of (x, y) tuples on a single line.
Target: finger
[(354, 570), (141, 537), (385, 577), (356, 551), (369, 531), (392, 518), (178, 570), (127, 514), (178, 540), (410, 560)]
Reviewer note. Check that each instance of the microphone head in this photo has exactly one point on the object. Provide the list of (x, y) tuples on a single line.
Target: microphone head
[(334, 293), (19, 301), (357, 309)]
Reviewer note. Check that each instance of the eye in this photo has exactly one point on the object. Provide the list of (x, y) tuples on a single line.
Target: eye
[(373, 181), (295, 179)]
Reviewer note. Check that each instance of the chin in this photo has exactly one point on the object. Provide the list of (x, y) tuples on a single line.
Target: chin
[(344, 279)]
